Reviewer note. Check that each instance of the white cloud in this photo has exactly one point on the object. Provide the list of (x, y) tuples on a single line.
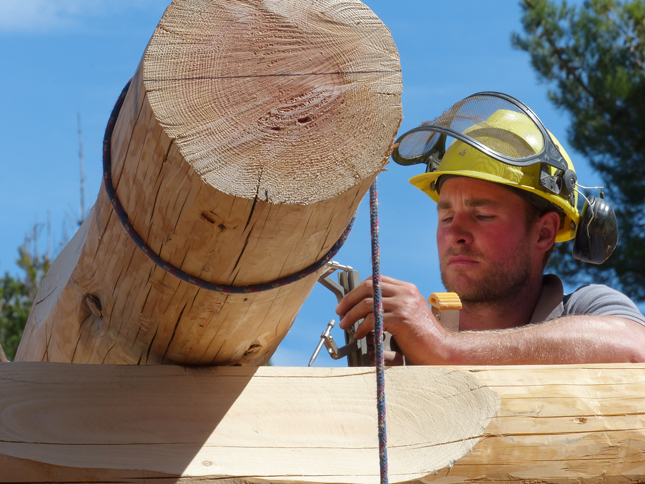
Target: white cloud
[(51, 15)]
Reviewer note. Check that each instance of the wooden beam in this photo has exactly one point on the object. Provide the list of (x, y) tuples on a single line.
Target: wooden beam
[(118, 424), (247, 139)]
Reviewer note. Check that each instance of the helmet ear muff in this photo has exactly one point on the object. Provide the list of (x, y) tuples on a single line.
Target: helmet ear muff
[(597, 233)]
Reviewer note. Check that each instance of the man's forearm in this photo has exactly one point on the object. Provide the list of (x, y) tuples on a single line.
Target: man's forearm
[(574, 339)]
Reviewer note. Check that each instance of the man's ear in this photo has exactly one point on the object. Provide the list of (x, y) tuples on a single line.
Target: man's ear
[(547, 227)]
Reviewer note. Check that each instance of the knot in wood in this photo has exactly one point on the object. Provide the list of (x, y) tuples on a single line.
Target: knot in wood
[(303, 111), (254, 348), (94, 304)]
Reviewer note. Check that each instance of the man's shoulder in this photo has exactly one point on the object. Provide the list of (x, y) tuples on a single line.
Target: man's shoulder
[(600, 300)]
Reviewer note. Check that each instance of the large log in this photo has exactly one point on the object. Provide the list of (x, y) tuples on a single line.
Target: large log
[(248, 137), (127, 424)]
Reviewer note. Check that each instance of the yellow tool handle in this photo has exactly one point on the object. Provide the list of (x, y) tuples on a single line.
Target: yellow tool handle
[(444, 300)]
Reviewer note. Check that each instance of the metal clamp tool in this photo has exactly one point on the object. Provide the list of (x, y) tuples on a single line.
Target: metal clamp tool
[(357, 352), (445, 306)]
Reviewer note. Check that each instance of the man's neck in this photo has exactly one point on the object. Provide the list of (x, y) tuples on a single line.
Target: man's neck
[(502, 314)]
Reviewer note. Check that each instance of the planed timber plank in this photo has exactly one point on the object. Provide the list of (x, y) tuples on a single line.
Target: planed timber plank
[(559, 424)]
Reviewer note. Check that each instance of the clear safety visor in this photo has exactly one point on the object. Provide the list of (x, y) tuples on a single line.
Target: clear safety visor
[(496, 124)]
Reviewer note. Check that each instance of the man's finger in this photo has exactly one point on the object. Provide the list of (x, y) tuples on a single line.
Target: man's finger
[(366, 326), (391, 358), (358, 312), (352, 298), (389, 287)]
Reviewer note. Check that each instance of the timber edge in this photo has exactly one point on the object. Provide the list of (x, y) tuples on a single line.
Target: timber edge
[(131, 424)]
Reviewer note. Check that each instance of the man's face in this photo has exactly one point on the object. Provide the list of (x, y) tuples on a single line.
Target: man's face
[(483, 241)]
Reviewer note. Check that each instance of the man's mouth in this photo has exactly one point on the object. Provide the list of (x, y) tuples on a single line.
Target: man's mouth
[(460, 257), (461, 260)]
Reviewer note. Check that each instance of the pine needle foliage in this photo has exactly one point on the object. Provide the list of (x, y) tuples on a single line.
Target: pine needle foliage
[(16, 298), (592, 57)]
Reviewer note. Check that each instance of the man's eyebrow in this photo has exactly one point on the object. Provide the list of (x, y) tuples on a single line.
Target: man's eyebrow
[(472, 203)]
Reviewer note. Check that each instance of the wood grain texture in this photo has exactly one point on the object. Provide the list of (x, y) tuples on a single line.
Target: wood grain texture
[(105, 423), (249, 135)]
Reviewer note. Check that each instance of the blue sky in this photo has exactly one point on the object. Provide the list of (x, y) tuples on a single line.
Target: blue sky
[(63, 57)]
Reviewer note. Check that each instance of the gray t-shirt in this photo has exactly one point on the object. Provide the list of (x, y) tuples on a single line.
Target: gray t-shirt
[(593, 299), (600, 300)]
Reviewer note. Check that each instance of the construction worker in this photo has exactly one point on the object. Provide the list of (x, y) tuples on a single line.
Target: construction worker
[(506, 191)]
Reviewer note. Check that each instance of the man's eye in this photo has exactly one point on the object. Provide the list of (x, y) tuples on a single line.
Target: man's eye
[(447, 219), (485, 217)]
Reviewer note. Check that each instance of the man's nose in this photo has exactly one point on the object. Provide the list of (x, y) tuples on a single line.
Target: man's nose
[(460, 231)]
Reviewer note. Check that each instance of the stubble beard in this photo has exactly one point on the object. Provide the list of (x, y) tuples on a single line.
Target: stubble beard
[(497, 285)]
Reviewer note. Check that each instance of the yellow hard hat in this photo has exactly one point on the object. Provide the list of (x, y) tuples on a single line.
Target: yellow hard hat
[(526, 150)]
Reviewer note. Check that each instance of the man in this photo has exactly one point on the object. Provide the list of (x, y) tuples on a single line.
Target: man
[(497, 224)]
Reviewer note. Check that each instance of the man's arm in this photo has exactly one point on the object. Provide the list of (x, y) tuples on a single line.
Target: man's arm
[(571, 339)]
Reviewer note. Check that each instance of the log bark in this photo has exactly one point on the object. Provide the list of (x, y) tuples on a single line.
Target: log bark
[(248, 137), (109, 423)]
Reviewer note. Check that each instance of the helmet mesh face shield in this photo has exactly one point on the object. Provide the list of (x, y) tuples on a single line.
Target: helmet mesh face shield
[(496, 124), (495, 137), (500, 127)]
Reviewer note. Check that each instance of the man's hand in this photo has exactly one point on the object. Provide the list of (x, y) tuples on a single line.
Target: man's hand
[(571, 339), (392, 357), (406, 315)]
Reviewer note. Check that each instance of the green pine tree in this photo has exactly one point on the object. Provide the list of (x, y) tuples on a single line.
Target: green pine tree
[(16, 298), (593, 59)]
